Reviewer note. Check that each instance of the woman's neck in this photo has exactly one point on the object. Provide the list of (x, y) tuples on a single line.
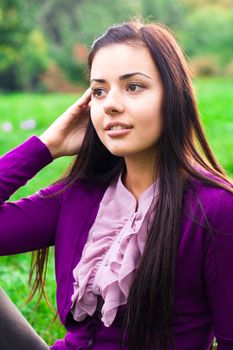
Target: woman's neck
[(139, 176)]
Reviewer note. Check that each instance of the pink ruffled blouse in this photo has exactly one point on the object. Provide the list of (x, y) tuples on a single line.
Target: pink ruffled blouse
[(112, 252)]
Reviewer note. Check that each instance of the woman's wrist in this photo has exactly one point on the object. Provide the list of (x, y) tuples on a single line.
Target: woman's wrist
[(51, 148)]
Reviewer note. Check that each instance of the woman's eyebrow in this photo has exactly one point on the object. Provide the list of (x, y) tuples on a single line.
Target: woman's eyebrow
[(129, 75), (122, 77), (102, 81)]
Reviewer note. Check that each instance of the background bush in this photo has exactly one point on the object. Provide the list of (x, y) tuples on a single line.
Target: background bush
[(37, 35), (23, 48)]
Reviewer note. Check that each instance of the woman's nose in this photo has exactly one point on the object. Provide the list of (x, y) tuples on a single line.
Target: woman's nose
[(113, 103)]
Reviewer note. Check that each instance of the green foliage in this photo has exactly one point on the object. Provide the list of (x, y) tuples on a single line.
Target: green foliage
[(34, 35), (23, 48), (170, 12), (209, 31), (67, 24), (72, 69), (95, 17)]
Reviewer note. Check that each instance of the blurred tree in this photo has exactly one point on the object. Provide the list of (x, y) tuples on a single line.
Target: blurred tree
[(196, 3), (34, 33), (95, 17), (169, 12), (60, 24), (209, 31), (72, 23), (23, 50), (59, 19)]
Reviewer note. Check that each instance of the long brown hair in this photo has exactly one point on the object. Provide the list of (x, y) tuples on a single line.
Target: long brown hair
[(182, 150)]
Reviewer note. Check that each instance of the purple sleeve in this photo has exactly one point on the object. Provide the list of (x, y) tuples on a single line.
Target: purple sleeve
[(30, 223), (219, 271)]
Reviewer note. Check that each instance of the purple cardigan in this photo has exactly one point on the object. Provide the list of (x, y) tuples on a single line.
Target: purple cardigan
[(203, 295)]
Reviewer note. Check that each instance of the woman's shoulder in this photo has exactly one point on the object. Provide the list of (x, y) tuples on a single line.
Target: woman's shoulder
[(212, 197), (207, 183)]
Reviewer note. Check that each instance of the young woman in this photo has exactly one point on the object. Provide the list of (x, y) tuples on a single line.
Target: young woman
[(142, 225)]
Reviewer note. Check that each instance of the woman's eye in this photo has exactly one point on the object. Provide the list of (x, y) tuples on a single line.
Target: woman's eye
[(134, 87), (98, 92)]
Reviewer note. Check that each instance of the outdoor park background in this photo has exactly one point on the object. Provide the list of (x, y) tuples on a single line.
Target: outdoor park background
[(43, 50)]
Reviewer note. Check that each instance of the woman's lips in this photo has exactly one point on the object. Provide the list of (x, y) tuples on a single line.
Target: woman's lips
[(118, 132), (117, 129)]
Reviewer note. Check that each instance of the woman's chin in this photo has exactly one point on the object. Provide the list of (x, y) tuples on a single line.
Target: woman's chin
[(117, 153)]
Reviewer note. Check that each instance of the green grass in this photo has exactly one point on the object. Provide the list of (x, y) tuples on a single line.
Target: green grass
[(215, 98)]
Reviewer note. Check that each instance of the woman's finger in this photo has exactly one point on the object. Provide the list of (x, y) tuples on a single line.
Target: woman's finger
[(84, 99)]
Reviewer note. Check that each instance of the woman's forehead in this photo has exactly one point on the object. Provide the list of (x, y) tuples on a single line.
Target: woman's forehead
[(122, 59)]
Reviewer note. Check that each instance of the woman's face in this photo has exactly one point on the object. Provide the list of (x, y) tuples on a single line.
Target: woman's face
[(127, 94)]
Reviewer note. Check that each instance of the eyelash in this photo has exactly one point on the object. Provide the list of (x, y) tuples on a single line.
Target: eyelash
[(96, 90), (136, 85)]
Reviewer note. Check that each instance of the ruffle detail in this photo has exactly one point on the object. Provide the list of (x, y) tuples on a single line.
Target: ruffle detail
[(112, 253)]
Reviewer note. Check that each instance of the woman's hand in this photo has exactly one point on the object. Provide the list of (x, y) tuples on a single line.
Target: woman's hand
[(65, 135)]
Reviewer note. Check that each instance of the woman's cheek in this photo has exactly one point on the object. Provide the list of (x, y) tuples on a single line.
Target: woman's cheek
[(96, 121)]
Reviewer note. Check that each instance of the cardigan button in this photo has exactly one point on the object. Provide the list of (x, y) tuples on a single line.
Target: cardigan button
[(97, 288)]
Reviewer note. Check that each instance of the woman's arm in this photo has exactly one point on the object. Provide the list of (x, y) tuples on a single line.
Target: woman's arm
[(219, 271), (29, 223)]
